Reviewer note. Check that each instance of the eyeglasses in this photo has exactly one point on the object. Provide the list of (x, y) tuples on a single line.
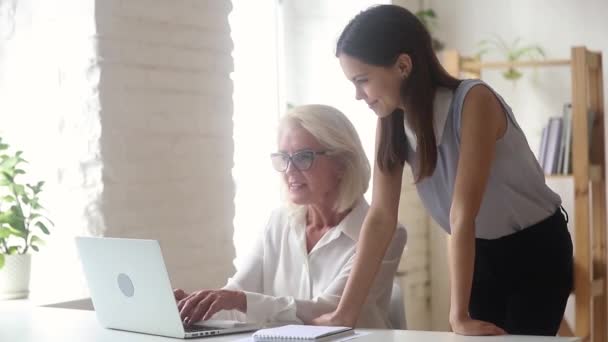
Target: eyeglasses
[(301, 160)]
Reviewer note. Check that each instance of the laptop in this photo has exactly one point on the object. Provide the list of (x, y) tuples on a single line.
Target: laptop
[(130, 289)]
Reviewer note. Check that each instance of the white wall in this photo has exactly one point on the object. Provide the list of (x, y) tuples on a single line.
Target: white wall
[(556, 25), (312, 73)]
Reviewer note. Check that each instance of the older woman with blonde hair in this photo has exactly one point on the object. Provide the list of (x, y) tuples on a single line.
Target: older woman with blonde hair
[(298, 268)]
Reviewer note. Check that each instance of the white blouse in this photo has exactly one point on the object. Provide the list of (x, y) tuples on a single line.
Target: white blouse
[(284, 283)]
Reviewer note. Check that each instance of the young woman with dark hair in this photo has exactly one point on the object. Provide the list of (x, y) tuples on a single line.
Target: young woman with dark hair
[(510, 253)]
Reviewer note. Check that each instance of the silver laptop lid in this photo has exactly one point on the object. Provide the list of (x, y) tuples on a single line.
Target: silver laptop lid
[(129, 285)]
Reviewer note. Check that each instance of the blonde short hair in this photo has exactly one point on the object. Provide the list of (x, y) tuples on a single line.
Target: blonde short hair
[(335, 132)]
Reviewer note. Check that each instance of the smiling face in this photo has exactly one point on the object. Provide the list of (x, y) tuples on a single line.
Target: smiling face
[(317, 185), (378, 86)]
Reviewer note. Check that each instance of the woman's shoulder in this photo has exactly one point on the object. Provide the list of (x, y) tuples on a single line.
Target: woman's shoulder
[(474, 95), (471, 88)]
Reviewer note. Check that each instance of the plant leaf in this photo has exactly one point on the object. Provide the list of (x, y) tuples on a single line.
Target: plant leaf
[(17, 232), (19, 189), (532, 51), (18, 156), (10, 162), (8, 177), (34, 247), (512, 74), (17, 220), (482, 52), (1, 260), (49, 220), (5, 217), (37, 241), (13, 250), (8, 199), (42, 227), (4, 233), (36, 188)]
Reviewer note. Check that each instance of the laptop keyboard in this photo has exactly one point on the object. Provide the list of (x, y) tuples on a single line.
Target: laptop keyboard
[(194, 328)]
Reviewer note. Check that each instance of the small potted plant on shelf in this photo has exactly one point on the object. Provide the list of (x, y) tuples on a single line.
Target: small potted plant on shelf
[(511, 52), (21, 222)]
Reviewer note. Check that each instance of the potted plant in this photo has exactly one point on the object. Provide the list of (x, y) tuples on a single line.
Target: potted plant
[(21, 218), (428, 18), (512, 53)]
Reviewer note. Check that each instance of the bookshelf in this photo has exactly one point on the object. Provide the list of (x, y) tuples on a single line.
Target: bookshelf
[(587, 183)]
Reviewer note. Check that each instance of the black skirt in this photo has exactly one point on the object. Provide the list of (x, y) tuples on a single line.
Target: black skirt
[(522, 281)]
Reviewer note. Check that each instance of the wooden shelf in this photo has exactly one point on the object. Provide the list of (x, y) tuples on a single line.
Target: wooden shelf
[(475, 65), (595, 174), (598, 287), (558, 176)]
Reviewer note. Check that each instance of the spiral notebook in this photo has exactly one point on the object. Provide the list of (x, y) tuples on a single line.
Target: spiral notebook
[(301, 333)]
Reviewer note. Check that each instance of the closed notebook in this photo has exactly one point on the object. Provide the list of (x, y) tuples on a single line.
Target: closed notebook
[(301, 332)]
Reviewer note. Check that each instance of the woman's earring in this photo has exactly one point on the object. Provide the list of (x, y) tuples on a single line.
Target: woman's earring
[(404, 73)]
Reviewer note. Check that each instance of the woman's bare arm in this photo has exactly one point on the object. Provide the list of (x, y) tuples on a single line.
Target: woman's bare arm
[(483, 123), (376, 233)]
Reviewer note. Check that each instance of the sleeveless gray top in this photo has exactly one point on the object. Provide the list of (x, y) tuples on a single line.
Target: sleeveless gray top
[(516, 195)]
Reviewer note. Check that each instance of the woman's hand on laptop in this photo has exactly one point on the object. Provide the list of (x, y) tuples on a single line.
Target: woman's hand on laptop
[(180, 294), (204, 304)]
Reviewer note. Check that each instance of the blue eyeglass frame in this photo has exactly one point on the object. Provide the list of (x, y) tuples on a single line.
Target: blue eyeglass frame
[(290, 158)]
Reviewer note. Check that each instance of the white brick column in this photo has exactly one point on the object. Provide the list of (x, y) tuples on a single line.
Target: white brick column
[(166, 143)]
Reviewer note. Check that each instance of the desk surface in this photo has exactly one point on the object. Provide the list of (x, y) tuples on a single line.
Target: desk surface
[(28, 323)]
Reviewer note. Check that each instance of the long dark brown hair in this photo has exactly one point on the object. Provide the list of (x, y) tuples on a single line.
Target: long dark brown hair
[(378, 36)]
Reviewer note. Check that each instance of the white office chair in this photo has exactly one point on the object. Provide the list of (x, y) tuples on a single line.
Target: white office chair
[(396, 309)]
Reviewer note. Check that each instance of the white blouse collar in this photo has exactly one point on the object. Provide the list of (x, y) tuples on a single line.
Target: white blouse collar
[(349, 224)]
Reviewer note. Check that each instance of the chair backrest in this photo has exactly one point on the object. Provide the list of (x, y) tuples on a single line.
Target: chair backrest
[(396, 309)]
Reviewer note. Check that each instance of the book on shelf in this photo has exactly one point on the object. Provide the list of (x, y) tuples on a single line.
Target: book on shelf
[(567, 141), (555, 153), (554, 136), (543, 145)]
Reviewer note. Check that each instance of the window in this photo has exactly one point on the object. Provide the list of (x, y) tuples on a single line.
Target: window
[(257, 108)]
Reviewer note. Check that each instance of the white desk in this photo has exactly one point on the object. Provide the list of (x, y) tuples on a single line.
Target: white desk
[(25, 323)]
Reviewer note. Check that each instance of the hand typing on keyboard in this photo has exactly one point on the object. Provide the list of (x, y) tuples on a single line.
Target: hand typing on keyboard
[(203, 304)]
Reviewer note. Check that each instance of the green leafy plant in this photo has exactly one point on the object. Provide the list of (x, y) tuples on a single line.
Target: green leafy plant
[(21, 215), (512, 52), (428, 17)]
